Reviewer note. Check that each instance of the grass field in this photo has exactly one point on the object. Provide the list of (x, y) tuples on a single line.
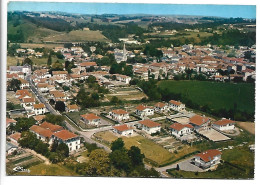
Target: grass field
[(49, 170), (76, 36), (239, 164), (37, 45), (215, 95)]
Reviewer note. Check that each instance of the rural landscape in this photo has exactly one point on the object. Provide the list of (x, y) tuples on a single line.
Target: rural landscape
[(130, 95)]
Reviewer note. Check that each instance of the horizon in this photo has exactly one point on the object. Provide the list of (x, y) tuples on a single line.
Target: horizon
[(223, 11)]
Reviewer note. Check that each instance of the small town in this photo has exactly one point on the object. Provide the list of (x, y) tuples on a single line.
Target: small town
[(141, 105)]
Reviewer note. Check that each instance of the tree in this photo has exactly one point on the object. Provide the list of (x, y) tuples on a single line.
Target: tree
[(63, 150), (14, 85), (55, 119), (60, 106), (117, 144), (95, 96), (121, 160), (49, 61), (136, 156), (91, 79), (28, 140), (42, 148), (99, 163), (23, 124), (115, 100), (54, 146), (28, 61)]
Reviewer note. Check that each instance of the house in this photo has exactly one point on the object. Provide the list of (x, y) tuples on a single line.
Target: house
[(207, 159), (199, 122), (70, 139), (85, 65), (39, 118), (143, 111), (160, 107), (149, 126), (61, 74), (53, 128), (43, 87), (28, 103), (123, 78), (39, 109), (10, 148), (180, 130), (10, 122), (43, 134), (72, 108), (91, 119), (24, 83), (119, 115), (57, 95), (176, 105), (15, 137), (224, 124), (123, 130)]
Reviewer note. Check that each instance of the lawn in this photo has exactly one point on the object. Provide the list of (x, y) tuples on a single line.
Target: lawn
[(239, 163), (215, 95), (49, 170)]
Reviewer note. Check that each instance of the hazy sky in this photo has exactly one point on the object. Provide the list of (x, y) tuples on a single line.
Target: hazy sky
[(245, 11)]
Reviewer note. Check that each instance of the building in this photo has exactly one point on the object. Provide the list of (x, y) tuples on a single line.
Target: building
[(207, 159), (119, 115), (224, 124), (91, 119), (10, 122), (70, 139), (43, 87), (10, 148), (180, 130), (149, 126), (53, 128), (199, 122), (61, 74), (176, 105), (15, 137), (144, 111), (160, 107), (39, 109), (43, 134), (123, 130), (72, 108)]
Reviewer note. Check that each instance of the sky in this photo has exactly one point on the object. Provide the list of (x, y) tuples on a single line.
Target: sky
[(244, 11)]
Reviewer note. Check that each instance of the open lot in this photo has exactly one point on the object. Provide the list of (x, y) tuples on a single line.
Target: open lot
[(249, 126), (214, 135), (211, 93), (126, 93)]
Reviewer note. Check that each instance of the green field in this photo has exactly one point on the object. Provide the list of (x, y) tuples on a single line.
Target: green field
[(215, 95), (76, 36)]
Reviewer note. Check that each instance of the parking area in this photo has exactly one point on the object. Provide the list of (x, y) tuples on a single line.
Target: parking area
[(214, 135)]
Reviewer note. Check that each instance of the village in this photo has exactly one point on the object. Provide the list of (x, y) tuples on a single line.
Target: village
[(167, 124)]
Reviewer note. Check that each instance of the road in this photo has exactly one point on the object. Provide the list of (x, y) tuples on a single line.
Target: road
[(86, 135)]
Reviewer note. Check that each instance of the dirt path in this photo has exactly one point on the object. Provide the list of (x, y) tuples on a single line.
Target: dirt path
[(46, 161)]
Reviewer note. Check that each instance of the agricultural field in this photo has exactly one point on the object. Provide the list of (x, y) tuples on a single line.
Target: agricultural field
[(215, 95), (37, 45), (238, 163), (76, 36), (248, 126)]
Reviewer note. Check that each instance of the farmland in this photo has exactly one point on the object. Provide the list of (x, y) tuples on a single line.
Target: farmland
[(215, 95)]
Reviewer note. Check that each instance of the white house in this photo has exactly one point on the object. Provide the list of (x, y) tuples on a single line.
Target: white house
[(24, 83), (176, 105), (119, 115), (43, 87), (61, 74), (10, 148), (180, 130), (39, 109), (27, 103), (160, 107), (143, 111), (207, 159), (72, 108), (123, 130), (91, 119), (199, 122), (123, 78), (70, 139), (149, 126), (43, 134), (224, 124), (15, 137)]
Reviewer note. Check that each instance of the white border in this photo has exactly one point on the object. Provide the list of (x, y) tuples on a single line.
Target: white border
[(93, 180)]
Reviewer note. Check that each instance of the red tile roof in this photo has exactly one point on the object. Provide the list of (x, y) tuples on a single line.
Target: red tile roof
[(38, 106), (71, 107), (16, 136), (8, 120), (28, 100), (198, 120), (178, 126), (59, 72), (41, 131), (123, 127), (119, 111), (90, 116), (39, 117), (209, 155), (65, 135), (85, 64), (141, 107), (160, 104), (51, 127), (149, 123), (224, 122), (175, 102)]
